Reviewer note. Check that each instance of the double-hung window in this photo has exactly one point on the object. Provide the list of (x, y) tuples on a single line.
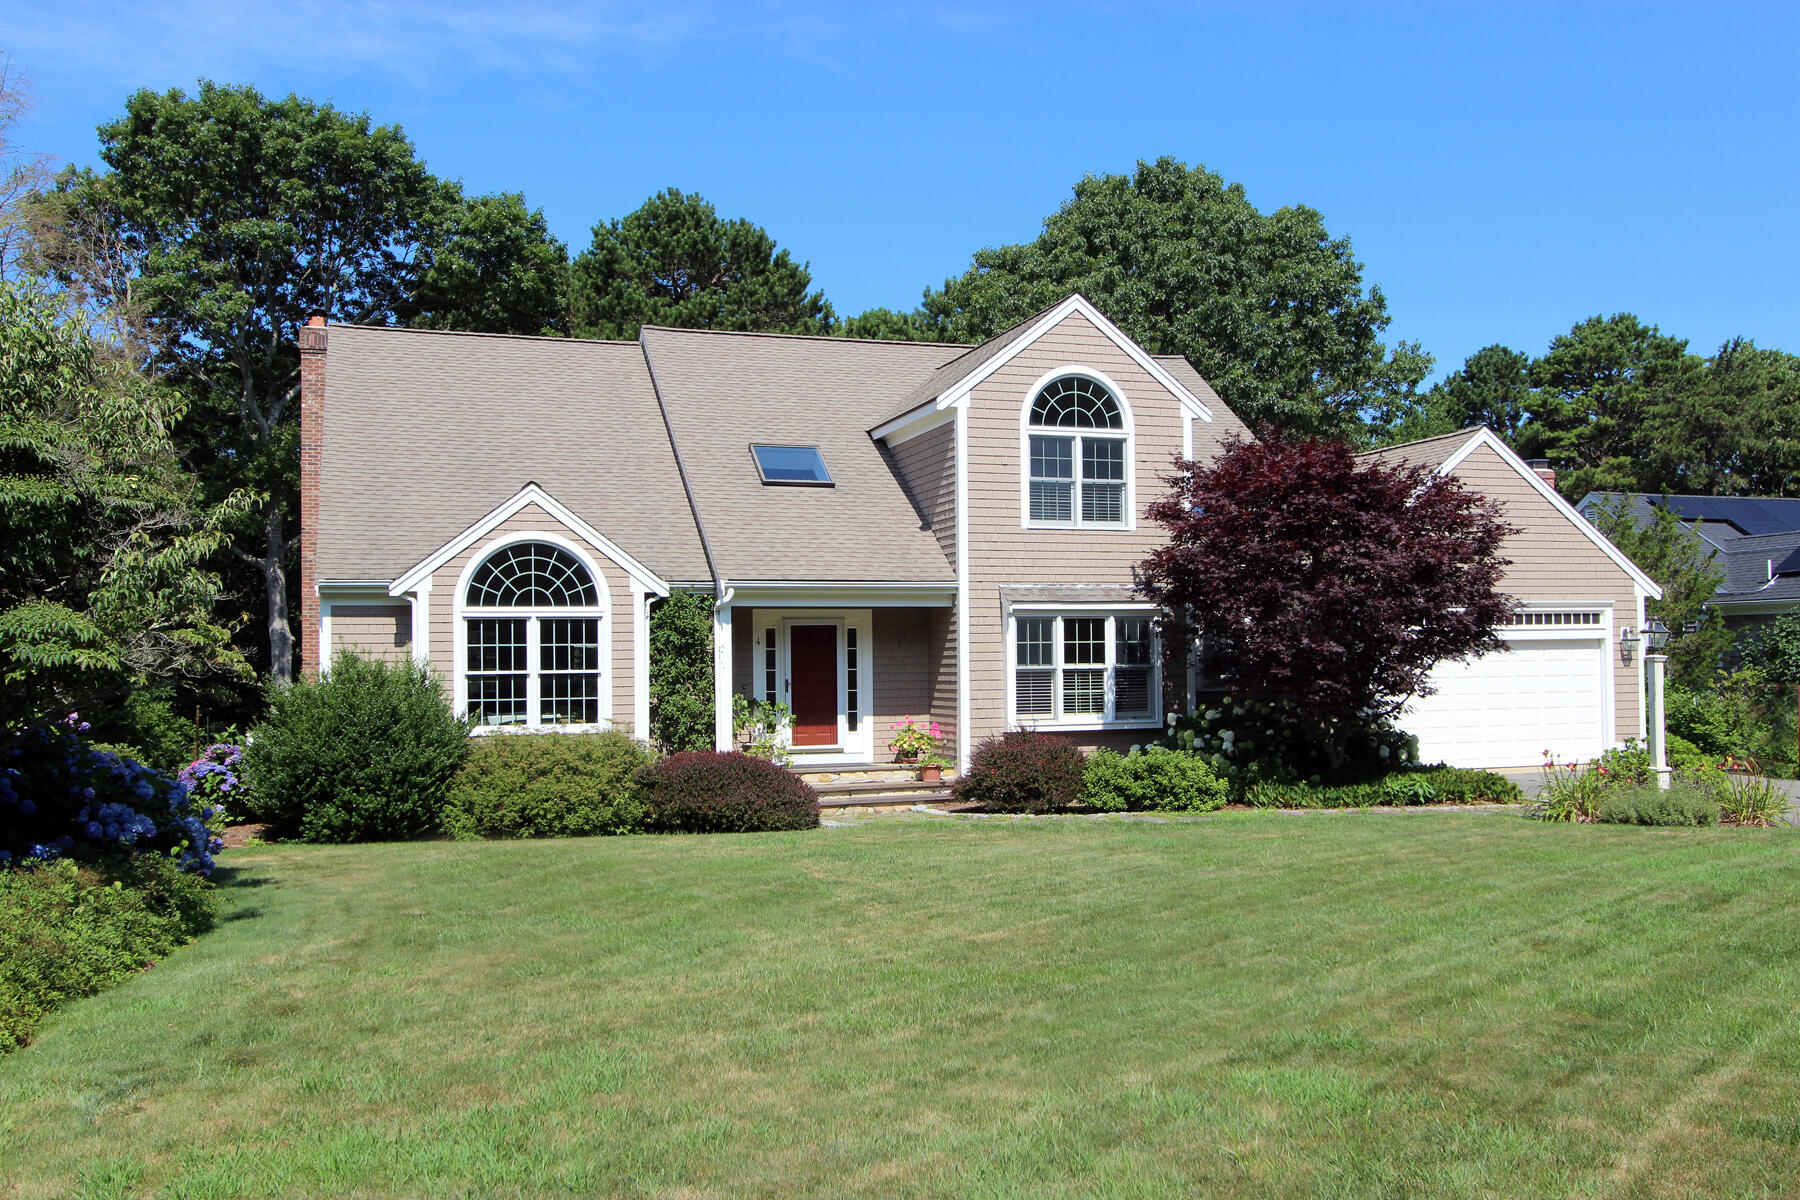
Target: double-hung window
[(532, 617), (1076, 455), (1084, 668)]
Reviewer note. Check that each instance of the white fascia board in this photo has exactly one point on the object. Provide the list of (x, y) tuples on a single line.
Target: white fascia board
[(752, 593), (352, 585), (1076, 303), (531, 493), (909, 425), (1753, 607), (1487, 437)]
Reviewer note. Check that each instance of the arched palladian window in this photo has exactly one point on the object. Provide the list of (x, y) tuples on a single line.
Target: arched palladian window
[(533, 616), (1076, 455)]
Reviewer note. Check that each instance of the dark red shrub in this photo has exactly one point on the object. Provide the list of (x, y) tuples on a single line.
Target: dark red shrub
[(1023, 772), (703, 791)]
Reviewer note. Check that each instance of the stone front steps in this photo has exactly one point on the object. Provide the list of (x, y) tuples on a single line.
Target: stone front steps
[(880, 793)]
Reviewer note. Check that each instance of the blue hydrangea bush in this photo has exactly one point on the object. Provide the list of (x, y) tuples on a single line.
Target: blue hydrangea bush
[(61, 797)]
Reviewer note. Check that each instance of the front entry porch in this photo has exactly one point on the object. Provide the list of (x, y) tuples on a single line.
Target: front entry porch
[(847, 672)]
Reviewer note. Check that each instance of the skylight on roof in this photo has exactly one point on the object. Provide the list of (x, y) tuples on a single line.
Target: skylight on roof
[(795, 466)]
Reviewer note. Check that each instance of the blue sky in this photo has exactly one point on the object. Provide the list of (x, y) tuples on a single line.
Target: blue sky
[(1503, 171)]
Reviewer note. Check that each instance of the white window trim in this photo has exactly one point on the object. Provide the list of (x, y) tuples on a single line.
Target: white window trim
[(1083, 721), (1128, 434), (463, 613)]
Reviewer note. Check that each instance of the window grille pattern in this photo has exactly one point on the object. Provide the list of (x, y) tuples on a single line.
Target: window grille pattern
[(1076, 402), (1057, 493), (851, 673), (498, 681), (532, 575), (1084, 667), (771, 692), (1564, 619), (531, 668)]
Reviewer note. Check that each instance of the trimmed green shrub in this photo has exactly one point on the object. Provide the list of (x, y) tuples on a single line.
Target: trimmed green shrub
[(704, 791), (1023, 772), (1683, 803), (1401, 789), (1151, 777), (364, 753), (67, 931), (549, 785)]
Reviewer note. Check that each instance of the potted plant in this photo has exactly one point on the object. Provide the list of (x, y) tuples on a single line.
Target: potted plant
[(932, 769), (916, 743)]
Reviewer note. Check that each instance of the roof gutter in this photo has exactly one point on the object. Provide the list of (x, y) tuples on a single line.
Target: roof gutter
[(721, 594)]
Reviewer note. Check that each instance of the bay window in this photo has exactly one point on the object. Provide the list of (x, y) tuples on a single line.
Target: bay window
[(1084, 668)]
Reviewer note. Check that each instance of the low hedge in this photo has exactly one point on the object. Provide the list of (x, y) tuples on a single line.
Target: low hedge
[(1023, 772), (704, 791), (1151, 777), (1428, 785), (1685, 803), (549, 785), (67, 931)]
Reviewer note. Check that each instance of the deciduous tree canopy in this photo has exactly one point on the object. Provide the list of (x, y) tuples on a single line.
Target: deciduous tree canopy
[(1271, 309), (1331, 584)]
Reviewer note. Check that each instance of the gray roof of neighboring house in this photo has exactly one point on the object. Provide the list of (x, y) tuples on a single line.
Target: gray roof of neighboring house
[(725, 391), (582, 420), (1751, 515), (576, 417), (1760, 568)]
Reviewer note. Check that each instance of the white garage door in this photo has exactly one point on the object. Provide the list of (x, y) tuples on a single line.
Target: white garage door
[(1505, 709)]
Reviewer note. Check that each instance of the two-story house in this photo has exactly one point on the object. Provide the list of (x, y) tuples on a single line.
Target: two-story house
[(886, 529)]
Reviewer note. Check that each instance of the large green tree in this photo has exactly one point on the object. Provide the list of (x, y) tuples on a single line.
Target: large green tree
[(1269, 307), (1683, 564), (674, 261), (1596, 385), (231, 218), (104, 547)]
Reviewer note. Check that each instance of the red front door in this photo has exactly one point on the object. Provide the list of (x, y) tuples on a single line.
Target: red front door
[(813, 683)]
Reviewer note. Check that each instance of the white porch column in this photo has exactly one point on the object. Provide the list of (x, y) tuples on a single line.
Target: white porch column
[(640, 665), (1653, 718), (722, 731)]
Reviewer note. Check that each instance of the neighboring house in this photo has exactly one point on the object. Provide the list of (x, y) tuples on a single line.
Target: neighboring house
[(888, 529), (1754, 539), (1565, 685)]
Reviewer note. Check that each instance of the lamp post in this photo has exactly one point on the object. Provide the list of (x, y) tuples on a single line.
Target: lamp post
[(1656, 642)]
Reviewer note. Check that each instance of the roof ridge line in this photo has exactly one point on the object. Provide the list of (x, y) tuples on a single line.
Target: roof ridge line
[(811, 337)]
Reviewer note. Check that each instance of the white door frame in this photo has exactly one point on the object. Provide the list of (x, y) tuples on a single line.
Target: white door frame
[(851, 747)]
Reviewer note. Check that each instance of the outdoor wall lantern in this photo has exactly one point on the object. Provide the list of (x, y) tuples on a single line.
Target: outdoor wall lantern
[(1628, 644), (1656, 636)]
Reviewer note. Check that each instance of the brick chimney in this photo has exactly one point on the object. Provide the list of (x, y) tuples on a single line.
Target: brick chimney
[(1544, 470), (312, 421)]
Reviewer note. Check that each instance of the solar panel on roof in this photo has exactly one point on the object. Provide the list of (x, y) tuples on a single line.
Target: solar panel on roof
[(1752, 514)]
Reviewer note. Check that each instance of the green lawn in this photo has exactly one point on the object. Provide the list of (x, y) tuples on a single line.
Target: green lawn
[(1350, 1005)]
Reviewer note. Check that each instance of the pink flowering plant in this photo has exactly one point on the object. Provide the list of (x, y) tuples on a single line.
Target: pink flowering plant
[(915, 740)]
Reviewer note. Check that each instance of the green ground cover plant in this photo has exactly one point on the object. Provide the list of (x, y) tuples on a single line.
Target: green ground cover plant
[(549, 785), (1243, 1005), (1684, 802), (1401, 789)]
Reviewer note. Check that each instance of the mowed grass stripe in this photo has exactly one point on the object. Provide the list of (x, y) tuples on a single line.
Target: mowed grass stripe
[(1240, 1005)]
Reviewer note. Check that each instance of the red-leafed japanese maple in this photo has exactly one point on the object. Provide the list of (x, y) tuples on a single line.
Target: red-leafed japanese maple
[(1329, 584)]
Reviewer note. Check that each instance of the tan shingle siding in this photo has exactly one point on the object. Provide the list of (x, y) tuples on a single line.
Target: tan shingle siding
[(373, 630), (1003, 554), (927, 468), (618, 628), (1554, 564)]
